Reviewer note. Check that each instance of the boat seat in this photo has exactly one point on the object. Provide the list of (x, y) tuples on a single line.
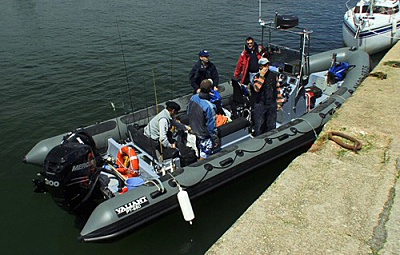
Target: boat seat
[(233, 126), (142, 141), (226, 129), (230, 131), (240, 100), (235, 130), (146, 144)]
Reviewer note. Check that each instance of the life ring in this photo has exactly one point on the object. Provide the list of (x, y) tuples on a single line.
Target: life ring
[(128, 162)]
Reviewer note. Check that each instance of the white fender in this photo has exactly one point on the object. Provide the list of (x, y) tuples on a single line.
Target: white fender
[(394, 26), (186, 207)]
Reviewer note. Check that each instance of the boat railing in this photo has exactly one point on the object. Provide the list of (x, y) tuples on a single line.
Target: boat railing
[(347, 5), (350, 10)]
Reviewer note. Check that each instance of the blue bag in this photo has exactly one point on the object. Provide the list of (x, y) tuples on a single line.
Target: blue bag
[(338, 70), (215, 96)]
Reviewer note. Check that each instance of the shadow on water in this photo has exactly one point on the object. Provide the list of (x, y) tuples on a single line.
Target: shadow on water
[(376, 58)]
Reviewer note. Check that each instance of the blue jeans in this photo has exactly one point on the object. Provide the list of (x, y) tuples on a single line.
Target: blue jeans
[(264, 117)]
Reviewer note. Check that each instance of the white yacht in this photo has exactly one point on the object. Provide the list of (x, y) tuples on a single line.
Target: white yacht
[(372, 25)]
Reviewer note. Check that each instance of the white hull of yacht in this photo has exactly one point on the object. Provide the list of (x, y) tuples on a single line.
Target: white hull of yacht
[(370, 41)]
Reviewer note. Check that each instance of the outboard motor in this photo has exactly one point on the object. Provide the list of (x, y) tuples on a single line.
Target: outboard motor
[(70, 174)]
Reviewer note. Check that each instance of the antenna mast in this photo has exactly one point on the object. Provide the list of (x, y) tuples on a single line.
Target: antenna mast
[(261, 22)]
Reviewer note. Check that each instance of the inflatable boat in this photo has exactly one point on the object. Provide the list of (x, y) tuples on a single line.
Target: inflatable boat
[(81, 170)]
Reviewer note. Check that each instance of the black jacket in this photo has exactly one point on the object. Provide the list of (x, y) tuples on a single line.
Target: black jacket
[(200, 72), (268, 93)]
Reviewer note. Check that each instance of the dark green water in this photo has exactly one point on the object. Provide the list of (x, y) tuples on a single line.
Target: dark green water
[(61, 64)]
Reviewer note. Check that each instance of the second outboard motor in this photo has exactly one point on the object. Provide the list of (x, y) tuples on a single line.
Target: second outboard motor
[(69, 171)]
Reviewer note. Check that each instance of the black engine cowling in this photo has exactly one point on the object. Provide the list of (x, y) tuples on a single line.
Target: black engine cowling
[(82, 137), (69, 171)]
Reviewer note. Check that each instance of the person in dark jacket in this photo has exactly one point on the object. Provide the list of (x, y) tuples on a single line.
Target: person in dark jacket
[(247, 65), (267, 99), (201, 114), (202, 70)]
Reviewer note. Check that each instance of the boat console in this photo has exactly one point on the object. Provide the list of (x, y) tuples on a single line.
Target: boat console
[(294, 93)]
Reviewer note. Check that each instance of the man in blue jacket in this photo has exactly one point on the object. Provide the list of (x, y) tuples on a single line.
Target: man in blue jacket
[(202, 120)]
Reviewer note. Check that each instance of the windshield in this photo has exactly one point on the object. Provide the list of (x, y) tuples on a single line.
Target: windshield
[(377, 9), (364, 9)]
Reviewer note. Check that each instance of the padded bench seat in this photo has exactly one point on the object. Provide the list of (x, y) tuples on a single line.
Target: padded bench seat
[(144, 143), (233, 126)]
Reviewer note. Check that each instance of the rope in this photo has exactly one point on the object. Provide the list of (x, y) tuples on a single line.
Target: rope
[(356, 146), (160, 188), (313, 129), (380, 75), (392, 63), (339, 96)]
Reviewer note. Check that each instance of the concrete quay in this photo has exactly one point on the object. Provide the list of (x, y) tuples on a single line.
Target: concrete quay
[(331, 200)]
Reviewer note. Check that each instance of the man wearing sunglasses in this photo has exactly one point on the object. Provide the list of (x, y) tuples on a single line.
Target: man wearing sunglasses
[(247, 65)]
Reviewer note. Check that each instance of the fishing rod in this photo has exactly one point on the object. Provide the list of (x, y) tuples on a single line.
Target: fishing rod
[(153, 149), (156, 98), (126, 71), (116, 119), (172, 84)]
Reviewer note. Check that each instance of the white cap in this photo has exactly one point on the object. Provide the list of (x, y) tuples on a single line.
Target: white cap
[(263, 61)]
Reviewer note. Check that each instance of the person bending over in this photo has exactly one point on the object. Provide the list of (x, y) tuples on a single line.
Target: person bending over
[(159, 129), (201, 114)]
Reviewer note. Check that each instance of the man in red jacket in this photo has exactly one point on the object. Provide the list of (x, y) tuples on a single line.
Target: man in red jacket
[(247, 65)]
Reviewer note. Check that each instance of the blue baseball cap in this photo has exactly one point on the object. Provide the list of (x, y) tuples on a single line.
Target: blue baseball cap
[(204, 53)]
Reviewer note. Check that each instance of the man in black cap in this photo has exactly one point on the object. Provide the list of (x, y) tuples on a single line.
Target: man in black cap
[(159, 128), (203, 69)]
